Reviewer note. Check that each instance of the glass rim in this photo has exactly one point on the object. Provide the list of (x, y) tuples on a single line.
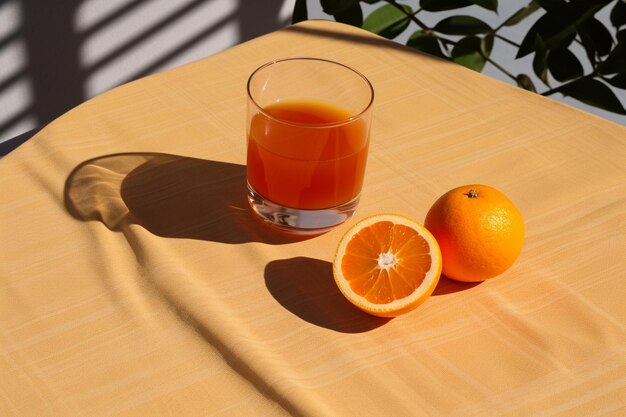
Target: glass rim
[(312, 125)]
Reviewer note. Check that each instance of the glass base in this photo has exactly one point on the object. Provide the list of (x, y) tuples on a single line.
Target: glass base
[(300, 221)]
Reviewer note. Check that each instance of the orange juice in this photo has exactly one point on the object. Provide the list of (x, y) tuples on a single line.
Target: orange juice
[(306, 154)]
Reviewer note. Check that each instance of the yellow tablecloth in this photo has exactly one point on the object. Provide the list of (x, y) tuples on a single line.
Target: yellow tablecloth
[(135, 282)]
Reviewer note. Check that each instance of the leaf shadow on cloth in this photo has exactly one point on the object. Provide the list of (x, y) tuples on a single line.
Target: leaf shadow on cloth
[(306, 288), (170, 196)]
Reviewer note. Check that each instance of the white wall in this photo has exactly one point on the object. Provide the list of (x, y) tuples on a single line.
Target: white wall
[(55, 54)]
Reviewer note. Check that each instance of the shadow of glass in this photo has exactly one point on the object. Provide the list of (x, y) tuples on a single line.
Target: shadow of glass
[(170, 196), (306, 287), (449, 286)]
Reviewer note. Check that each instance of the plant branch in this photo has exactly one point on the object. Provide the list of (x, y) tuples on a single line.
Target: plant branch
[(507, 40), (491, 61), (409, 15), (501, 68), (556, 89), (509, 18)]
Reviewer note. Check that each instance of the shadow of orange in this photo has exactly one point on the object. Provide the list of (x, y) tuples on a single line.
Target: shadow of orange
[(449, 286), (305, 287)]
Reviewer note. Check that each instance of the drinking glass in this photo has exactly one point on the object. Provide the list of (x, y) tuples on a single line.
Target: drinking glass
[(308, 124)]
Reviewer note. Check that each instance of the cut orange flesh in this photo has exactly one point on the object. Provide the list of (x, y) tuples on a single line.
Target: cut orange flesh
[(387, 265)]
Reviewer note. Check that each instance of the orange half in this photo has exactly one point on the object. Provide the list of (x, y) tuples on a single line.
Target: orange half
[(387, 265)]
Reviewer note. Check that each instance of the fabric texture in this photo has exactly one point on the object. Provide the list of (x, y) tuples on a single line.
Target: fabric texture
[(134, 280)]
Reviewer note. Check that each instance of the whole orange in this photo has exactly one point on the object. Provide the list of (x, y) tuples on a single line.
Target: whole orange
[(479, 230)]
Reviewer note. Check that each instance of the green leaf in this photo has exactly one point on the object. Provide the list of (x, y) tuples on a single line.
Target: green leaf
[(615, 62), (487, 4), (540, 60), (548, 26), (557, 27), (550, 4), (522, 14), (467, 53), (590, 46), (525, 82), (426, 43), (388, 20), (618, 14), (564, 65), (594, 93), (351, 16), (441, 5), (597, 35), (618, 81), (486, 44), (299, 12), (462, 25), (335, 6)]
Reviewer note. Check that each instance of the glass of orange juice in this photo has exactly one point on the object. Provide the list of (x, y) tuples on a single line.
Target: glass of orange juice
[(308, 124)]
